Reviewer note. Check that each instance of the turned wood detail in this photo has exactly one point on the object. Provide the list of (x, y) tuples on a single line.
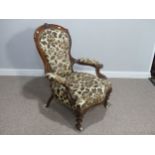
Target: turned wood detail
[(79, 119)]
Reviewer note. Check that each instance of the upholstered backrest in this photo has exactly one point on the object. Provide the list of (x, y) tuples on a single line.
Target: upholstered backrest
[(54, 43)]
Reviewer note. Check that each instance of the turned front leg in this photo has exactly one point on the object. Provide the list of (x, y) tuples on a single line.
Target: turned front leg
[(79, 119)]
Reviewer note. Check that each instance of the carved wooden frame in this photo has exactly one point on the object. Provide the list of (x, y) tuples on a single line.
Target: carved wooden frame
[(78, 113)]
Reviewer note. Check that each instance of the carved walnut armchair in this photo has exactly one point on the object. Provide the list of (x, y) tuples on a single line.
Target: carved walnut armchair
[(78, 91)]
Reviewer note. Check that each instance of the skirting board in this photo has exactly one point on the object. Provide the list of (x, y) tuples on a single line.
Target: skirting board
[(40, 72)]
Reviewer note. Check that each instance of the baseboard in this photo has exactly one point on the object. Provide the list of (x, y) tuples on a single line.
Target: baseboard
[(40, 72), (124, 74), (21, 72)]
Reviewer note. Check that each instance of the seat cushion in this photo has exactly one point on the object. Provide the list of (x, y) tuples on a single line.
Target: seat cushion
[(88, 89)]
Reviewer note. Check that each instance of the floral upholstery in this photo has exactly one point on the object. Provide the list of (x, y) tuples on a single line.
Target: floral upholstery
[(89, 62), (88, 89), (56, 46)]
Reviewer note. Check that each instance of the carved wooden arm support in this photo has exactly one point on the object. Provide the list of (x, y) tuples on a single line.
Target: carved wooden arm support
[(93, 63), (62, 81)]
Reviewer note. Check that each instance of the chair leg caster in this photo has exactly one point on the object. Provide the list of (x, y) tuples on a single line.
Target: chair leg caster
[(80, 128), (106, 105), (46, 105)]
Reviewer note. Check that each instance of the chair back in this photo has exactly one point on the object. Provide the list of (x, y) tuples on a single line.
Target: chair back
[(54, 43)]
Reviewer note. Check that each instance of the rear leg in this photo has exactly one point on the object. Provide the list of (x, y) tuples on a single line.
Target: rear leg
[(105, 103), (49, 101)]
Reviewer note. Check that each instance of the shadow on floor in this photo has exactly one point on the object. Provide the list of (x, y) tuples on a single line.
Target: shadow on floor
[(38, 88)]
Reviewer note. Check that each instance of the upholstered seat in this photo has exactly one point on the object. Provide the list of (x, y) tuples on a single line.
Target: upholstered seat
[(79, 91), (88, 90)]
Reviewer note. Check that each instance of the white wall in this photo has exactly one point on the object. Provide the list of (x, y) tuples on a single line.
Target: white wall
[(121, 45)]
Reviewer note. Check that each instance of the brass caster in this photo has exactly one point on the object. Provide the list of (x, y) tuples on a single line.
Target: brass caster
[(46, 106), (79, 128)]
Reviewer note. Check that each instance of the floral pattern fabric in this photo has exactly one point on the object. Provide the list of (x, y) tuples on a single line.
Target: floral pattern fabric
[(88, 89)]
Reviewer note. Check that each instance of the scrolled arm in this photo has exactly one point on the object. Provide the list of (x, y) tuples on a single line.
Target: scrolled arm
[(90, 62), (93, 63)]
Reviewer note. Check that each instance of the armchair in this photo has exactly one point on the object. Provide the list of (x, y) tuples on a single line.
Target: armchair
[(78, 91)]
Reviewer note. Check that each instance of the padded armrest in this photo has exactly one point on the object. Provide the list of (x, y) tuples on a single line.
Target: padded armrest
[(91, 62), (56, 77)]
